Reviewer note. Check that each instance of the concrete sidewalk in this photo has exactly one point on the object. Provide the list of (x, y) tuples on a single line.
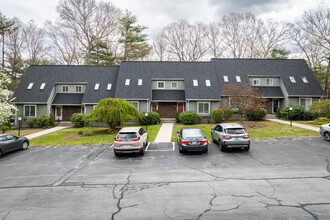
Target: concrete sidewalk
[(296, 124), (165, 133), (46, 131)]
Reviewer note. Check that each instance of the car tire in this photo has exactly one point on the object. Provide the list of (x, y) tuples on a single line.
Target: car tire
[(206, 150), (247, 148), (213, 141), (116, 154), (0, 153), (142, 151), (327, 136), (25, 145), (222, 147), (181, 151)]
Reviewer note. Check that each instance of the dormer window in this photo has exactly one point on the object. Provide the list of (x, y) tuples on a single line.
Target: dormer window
[(109, 86), (195, 82), (256, 82), (269, 82), (30, 86), (65, 88), (174, 85), (304, 79), (78, 88), (292, 79), (97, 86), (207, 82), (160, 85), (225, 79), (238, 79), (140, 81), (127, 81), (42, 86)]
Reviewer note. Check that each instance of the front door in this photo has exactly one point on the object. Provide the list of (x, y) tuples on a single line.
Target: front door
[(167, 109), (58, 113), (276, 105)]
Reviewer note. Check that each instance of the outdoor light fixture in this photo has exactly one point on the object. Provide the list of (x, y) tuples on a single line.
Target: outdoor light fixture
[(146, 114), (19, 126), (290, 115)]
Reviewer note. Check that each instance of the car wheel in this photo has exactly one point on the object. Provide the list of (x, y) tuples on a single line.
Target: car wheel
[(25, 145), (213, 141), (222, 147), (142, 151), (116, 154), (247, 148), (206, 150), (327, 136), (181, 151), (0, 153)]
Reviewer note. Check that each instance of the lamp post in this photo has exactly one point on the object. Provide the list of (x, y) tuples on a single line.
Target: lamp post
[(146, 114), (290, 115), (19, 126)]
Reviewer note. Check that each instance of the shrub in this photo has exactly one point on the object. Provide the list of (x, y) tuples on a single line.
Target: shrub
[(278, 113), (87, 131), (80, 132), (228, 113), (78, 119), (7, 123), (31, 121), (177, 114), (43, 121), (188, 117), (111, 131), (52, 120), (200, 118), (322, 120), (160, 115), (152, 119), (216, 115), (308, 115), (4, 129), (296, 114), (256, 114)]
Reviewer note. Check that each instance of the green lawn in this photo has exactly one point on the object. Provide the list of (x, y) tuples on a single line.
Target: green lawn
[(271, 130), (58, 137), (24, 131)]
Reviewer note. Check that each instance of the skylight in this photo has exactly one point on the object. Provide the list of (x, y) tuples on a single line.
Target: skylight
[(42, 85), (127, 82), (30, 86), (140, 81), (195, 82), (207, 82), (97, 86), (225, 78), (109, 86), (304, 79), (238, 79), (292, 79)]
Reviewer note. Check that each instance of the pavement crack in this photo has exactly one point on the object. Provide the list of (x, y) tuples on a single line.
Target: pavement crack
[(201, 171), (328, 164), (6, 215), (164, 212), (214, 196), (259, 161)]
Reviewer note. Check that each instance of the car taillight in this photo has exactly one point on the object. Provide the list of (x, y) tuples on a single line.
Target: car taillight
[(138, 137), (116, 139), (184, 142), (226, 136), (203, 142), (246, 136)]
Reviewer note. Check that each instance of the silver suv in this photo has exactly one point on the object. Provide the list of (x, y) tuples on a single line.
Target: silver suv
[(230, 135), (130, 140), (325, 131)]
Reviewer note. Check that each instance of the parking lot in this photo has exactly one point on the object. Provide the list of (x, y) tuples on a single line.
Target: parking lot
[(282, 178)]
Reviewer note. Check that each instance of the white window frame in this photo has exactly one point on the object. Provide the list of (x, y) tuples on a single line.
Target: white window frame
[(78, 89), (304, 79), (158, 84), (225, 79), (35, 111), (207, 82), (127, 82), (195, 82), (306, 107), (292, 79), (238, 79), (42, 86), (270, 80), (97, 86), (30, 86), (82, 110), (176, 83), (135, 102), (65, 86), (140, 82), (202, 113), (109, 86), (257, 80)]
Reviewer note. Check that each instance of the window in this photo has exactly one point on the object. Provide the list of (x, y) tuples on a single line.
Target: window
[(304, 79), (256, 82), (174, 85), (82, 110), (11, 137), (109, 86), (305, 102), (30, 110), (292, 79), (195, 82), (30, 86), (160, 85), (207, 82), (78, 88), (140, 82), (203, 108), (135, 104), (97, 86), (269, 82), (225, 78), (65, 88), (127, 82), (42, 86), (238, 79)]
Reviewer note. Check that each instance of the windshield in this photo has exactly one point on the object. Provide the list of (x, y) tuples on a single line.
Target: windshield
[(187, 133), (128, 135), (235, 131)]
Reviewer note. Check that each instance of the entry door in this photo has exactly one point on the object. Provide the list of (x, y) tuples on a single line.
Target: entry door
[(58, 113), (276, 104)]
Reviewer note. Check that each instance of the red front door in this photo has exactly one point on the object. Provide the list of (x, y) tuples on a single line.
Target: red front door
[(180, 107)]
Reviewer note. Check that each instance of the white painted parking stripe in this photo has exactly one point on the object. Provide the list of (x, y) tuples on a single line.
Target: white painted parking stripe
[(111, 146), (173, 143), (147, 146), (160, 150)]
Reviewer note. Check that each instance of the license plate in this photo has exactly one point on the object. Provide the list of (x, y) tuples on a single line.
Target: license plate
[(126, 146), (237, 139), (194, 142)]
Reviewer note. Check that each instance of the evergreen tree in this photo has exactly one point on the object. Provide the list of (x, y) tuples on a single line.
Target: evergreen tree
[(6, 26), (279, 53), (101, 55)]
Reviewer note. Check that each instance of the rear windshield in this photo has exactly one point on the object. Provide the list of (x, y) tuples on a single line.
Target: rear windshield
[(187, 133), (128, 135), (235, 131)]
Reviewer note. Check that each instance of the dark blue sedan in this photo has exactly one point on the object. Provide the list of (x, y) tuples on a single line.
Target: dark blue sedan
[(9, 142), (192, 139)]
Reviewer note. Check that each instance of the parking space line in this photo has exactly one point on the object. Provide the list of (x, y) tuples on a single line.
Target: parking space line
[(173, 143), (147, 147)]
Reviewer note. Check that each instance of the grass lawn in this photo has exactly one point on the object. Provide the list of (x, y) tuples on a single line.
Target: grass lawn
[(24, 131), (61, 137), (270, 130)]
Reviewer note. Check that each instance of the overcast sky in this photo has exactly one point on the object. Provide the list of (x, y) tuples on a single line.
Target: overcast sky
[(158, 13)]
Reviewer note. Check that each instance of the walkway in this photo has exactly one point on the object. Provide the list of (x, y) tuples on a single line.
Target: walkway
[(296, 124), (165, 133), (46, 131)]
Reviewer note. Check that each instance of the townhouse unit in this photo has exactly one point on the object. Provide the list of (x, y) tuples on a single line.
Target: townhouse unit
[(164, 86)]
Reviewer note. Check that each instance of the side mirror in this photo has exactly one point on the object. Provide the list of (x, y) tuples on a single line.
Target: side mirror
[(178, 132), (212, 129)]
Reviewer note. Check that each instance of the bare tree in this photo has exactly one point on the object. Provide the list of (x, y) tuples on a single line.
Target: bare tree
[(215, 39), (160, 46)]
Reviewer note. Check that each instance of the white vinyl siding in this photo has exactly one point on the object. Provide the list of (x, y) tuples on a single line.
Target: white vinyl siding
[(203, 107), (30, 86), (30, 110), (42, 86)]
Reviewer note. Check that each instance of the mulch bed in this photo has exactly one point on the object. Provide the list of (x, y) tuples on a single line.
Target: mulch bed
[(98, 132), (252, 125)]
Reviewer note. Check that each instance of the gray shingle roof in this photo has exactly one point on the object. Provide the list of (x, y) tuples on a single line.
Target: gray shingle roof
[(271, 67), (149, 70), (51, 74), (270, 91), (68, 98), (168, 95)]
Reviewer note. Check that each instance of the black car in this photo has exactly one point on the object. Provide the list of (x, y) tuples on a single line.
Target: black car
[(9, 142), (192, 139)]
